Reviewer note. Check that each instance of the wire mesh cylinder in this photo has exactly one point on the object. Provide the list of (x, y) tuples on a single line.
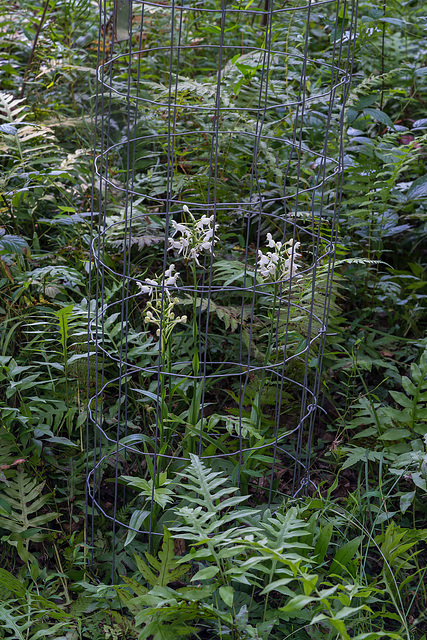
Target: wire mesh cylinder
[(216, 193)]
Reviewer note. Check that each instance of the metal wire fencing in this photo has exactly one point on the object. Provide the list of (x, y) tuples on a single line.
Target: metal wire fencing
[(217, 184)]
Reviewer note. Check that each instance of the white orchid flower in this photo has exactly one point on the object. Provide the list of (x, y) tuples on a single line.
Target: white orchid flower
[(281, 263), (192, 238), (159, 309)]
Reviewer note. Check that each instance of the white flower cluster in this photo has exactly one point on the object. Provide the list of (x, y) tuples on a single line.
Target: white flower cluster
[(160, 309), (169, 281), (281, 263), (191, 238)]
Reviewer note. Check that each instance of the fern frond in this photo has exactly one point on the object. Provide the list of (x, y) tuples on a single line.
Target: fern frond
[(285, 530), (232, 271), (203, 483), (166, 568), (11, 619), (368, 84), (208, 520), (11, 107), (24, 496)]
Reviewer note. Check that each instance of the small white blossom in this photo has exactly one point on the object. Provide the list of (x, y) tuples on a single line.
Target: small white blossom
[(191, 238), (160, 308), (144, 289), (281, 263)]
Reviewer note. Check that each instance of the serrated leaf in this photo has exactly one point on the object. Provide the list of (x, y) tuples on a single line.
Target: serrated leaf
[(13, 244)]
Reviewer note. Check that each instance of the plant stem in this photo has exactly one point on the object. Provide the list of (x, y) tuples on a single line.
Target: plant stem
[(33, 48)]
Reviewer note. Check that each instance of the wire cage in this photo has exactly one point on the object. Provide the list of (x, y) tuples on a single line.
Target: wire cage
[(217, 180)]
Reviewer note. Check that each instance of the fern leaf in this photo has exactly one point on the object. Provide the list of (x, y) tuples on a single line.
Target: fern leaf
[(203, 482), (169, 569), (11, 583), (18, 623), (207, 522), (24, 496), (11, 107), (284, 530), (231, 271)]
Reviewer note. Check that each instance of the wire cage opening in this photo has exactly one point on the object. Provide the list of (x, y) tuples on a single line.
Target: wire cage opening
[(217, 182)]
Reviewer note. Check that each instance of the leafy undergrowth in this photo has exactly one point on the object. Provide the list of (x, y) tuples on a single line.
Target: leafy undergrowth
[(348, 559)]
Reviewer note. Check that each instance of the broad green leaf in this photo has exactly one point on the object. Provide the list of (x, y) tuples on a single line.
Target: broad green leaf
[(161, 495), (12, 244), (401, 399), (11, 583), (406, 500), (9, 129), (136, 520), (378, 115), (62, 440), (205, 574), (297, 603), (322, 542), (280, 586), (418, 189), (420, 124), (227, 595), (344, 555), (395, 434)]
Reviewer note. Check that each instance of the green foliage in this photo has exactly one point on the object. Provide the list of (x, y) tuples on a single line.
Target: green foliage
[(257, 572), (169, 570), (351, 565), (23, 496)]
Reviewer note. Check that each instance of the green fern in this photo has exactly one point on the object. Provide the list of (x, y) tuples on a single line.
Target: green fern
[(26, 146), (33, 614), (267, 553), (166, 568), (208, 519), (11, 107), (24, 496), (13, 620), (389, 425)]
